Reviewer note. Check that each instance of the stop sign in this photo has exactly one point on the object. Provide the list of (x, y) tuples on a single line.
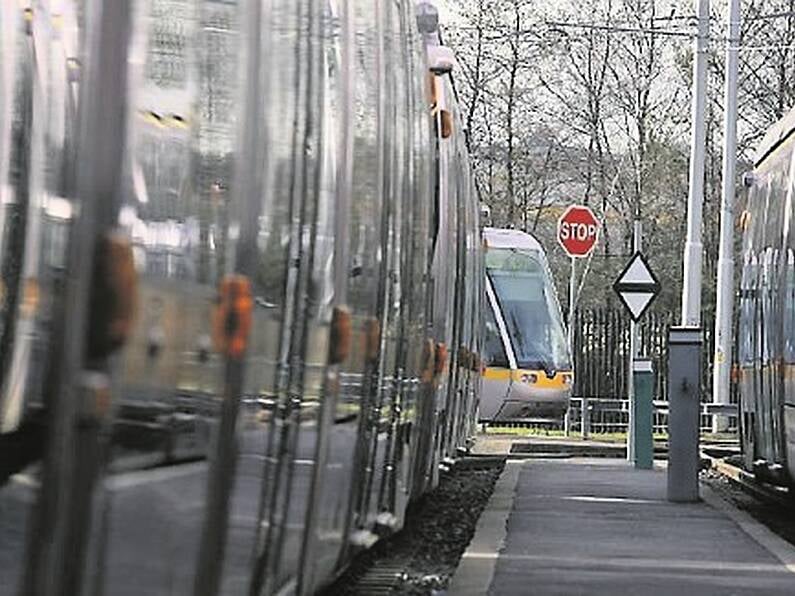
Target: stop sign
[(578, 231)]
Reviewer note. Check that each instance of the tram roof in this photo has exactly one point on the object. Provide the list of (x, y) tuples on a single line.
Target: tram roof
[(777, 135), (502, 238)]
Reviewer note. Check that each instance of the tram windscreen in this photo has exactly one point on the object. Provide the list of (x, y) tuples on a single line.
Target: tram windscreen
[(493, 346), (530, 309)]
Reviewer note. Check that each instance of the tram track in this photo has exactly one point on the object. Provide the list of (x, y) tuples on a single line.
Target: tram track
[(747, 482), (772, 506), (421, 558)]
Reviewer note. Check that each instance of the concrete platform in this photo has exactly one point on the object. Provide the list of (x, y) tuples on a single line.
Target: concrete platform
[(601, 527)]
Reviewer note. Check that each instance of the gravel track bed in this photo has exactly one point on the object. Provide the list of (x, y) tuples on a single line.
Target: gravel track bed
[(777, 517), (422, 557)]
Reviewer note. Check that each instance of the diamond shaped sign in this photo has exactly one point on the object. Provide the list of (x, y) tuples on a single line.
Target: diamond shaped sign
[(637, 286)]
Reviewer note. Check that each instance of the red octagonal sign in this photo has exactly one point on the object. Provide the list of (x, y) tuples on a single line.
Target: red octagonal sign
[(578, 231)]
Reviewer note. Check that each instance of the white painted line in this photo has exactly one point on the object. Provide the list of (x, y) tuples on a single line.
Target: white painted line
[(476, 555), (589, 499), (476, 570), (767, 539), (595, 499), (131, 479), (545, 561), (619, 462)]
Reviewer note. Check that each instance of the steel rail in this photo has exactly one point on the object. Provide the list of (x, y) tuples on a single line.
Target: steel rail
[(747, 482)]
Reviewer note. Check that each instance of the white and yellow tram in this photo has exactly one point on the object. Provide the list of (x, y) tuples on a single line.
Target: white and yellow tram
[(528, 373)]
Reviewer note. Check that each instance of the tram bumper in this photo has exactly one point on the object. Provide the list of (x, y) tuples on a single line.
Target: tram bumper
[(523, 402), (514, 395)]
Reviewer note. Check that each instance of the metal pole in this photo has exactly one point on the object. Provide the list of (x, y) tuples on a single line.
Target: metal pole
[(572, 304), (723, 315), (691, 290), (585, 420), (634, 352), (73, 468)]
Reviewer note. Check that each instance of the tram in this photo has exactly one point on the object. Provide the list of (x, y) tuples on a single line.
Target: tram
[(242, 288), (766, 308), (529, 373)]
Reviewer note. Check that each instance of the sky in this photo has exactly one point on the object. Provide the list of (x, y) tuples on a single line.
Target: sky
[(444, 10)]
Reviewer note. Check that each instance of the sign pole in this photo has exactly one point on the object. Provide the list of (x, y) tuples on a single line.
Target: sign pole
[(637, 287), (634, 351), (578, 233), (572, 303), (631, 391)]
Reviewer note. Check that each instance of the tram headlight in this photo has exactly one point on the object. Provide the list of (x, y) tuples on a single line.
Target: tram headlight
[(529, 378), (568, 379)]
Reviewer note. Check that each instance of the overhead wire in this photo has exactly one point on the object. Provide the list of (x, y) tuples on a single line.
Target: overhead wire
[(552, 26), (625, 26)]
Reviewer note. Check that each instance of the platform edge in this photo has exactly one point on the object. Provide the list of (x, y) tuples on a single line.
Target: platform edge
[(478, 563), (766, 538)]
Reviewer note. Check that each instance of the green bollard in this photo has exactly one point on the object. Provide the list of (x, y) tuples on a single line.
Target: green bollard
[(642, 425)]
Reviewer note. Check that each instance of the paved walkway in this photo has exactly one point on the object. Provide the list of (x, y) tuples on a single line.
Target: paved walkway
[(601, 527)]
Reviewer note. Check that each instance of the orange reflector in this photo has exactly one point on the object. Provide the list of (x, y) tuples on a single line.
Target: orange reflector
[(114, 295), (446, 119), (433, 90), (428, 360), (372, 338), (745, 220), (341, 334), (232, 316), (442, 354), (30, 297)]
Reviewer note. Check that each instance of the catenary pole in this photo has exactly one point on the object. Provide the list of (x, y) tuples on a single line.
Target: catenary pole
[(691, 290), (725, 289)]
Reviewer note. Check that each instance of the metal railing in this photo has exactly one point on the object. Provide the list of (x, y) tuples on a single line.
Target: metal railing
[(594, 416)]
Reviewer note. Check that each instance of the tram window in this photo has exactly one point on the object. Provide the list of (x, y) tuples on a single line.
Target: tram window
[(537, 340), (789, 310), (529, 307), (747, 291), (769, 323), (513, 260), (493, 346)]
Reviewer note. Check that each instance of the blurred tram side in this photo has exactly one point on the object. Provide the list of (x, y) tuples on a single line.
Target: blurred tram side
[(766, 308), (242, 290), (39, 49), (529, 374)]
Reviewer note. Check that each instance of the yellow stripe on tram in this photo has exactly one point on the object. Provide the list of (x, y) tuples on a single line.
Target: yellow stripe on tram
[(497, 374), (536, 378)]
